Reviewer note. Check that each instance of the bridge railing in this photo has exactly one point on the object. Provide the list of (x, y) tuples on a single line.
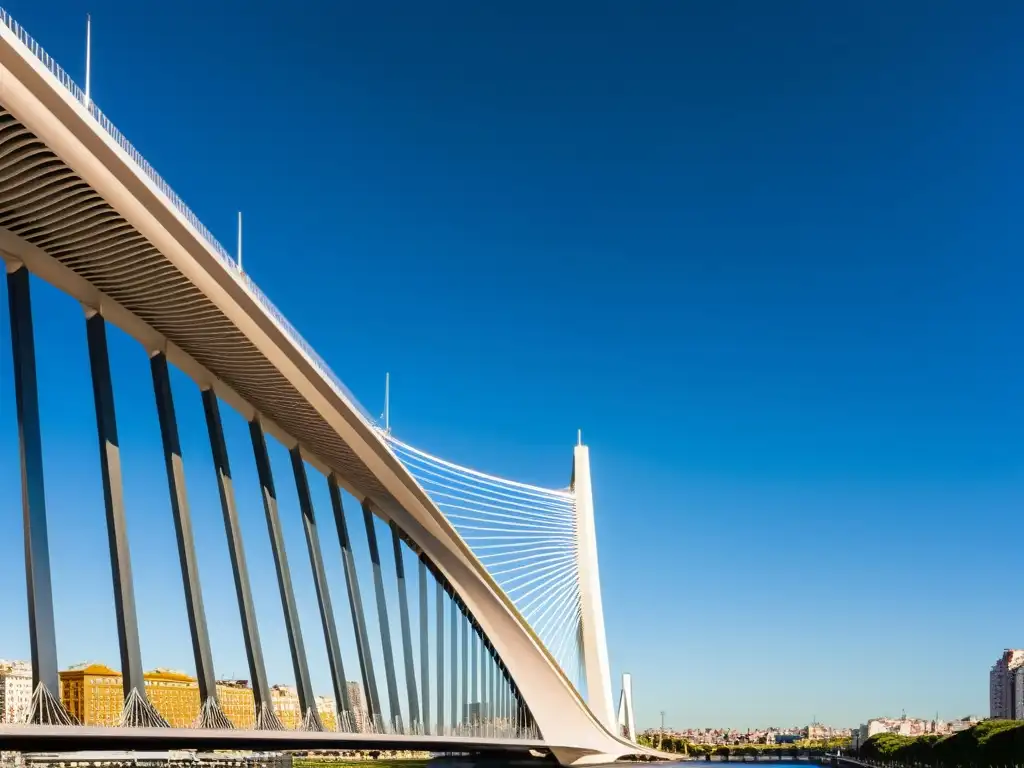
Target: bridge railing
[(45, 58), (183, 210)]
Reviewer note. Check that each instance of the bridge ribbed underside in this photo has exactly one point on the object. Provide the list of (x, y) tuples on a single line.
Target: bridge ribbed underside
[(46, 203)]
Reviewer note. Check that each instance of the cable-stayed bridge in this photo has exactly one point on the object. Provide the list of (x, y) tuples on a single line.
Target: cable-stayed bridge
[(508, 651)]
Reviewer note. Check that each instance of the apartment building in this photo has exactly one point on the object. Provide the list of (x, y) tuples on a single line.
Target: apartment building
[(15, 691), (360, 715), (1005, 681)]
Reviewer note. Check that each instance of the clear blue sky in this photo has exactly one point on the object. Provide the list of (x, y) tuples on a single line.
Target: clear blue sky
[(765, 255)]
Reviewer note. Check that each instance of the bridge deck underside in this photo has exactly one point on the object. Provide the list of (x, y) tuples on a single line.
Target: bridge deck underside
[(34, 738), (47, 204)]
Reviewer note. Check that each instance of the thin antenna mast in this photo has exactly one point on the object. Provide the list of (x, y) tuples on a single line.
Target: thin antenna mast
[(387, 403), (88, 60), (239, 241)]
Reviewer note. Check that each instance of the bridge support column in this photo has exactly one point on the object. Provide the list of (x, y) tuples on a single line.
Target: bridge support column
[(307, 701), (488, 714), (355, 604), (464, 631), (474, 662), (594, 645), (382, 620), (46, 708), (265, 717), (508, 712), (503, 699), (494, 690), (138, 711), (455, 662), (522, 714), (424, 648), (415, 724), (439, 611), (210, 713), (323, 593)]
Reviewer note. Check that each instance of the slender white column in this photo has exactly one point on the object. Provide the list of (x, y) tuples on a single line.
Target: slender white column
[(594, 645), (626, 721)]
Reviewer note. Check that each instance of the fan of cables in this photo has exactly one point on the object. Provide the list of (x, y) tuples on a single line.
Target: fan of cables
[(524, 535)]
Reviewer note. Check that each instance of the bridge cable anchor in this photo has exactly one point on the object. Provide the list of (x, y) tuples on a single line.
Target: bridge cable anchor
[(139, 712), (267, 720), (311, 721), (46, 709), (211, 716)]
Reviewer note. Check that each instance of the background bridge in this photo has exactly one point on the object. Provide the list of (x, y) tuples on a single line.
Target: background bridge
[(508, 646)]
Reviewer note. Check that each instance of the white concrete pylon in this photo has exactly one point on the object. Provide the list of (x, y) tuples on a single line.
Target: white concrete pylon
[(594, 646), (627, 724)]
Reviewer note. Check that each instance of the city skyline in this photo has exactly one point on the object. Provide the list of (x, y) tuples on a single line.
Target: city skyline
[(14, 704), (1010, 661), (813, 395)]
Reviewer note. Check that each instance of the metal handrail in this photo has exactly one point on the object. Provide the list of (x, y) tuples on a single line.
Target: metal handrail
[(218, 250)]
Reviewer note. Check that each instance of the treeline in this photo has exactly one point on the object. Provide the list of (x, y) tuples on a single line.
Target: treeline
[(989, 743), (681, 746)]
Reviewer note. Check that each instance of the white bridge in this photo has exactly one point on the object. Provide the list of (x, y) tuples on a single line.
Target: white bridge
[(507, 584)]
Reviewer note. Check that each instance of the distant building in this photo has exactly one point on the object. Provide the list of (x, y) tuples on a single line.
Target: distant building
[(286, 704), (175, 696), (908, 726), (477, 713), (903, 726), (15, 691), (963, 724), (1005, 696), (360, 715), (1017, 692), (93, 694), (328, 712), (237, 703), (817, 732)]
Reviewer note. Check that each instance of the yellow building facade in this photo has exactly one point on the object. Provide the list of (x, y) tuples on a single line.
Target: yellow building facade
[(237, 703), (175, 696), (93, 694), (286, 705), (328, 712)]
